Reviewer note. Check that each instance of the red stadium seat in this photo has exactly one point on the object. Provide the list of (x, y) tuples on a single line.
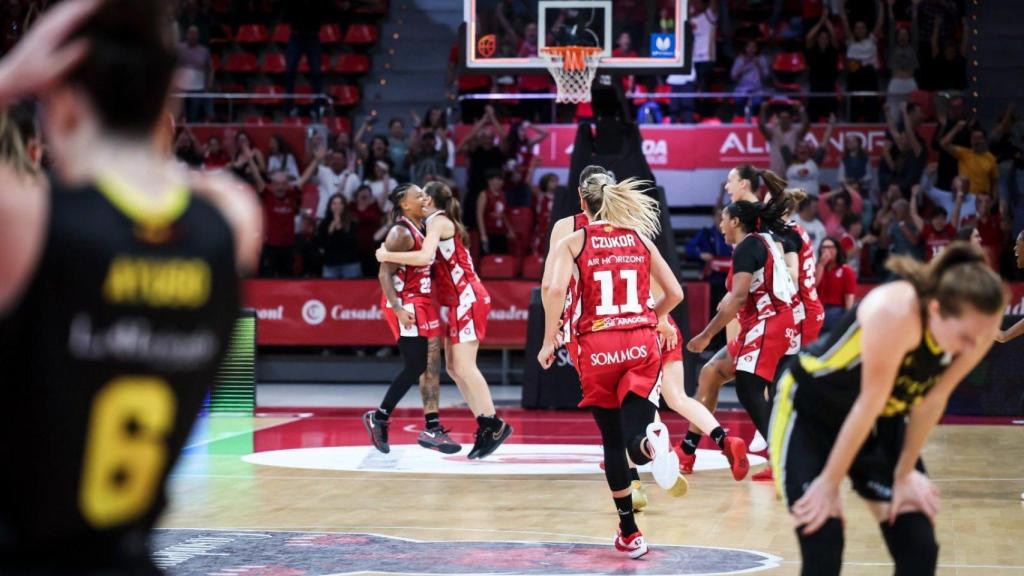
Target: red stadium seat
[(325, 64), (282, 34), (520, 219), (296, 121), (274, 63), (344, 95), (240, 62), (353, 64), (339, 124), (303, 101), (499, 266), (270, 90), (257, 120), (252, 34), (363, 34), (663, 89), (330, 34), (789, 63), (533, 267), (642, 92)]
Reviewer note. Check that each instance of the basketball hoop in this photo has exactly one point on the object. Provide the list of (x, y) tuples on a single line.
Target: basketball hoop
[(573, 68)]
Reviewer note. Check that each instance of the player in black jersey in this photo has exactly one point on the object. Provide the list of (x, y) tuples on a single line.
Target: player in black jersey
[(863, 401), (119, 294)]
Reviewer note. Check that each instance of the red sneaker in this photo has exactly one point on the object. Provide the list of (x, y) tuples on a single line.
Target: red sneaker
[(735, 451), (634, 544), (686, 461), (764, 475)]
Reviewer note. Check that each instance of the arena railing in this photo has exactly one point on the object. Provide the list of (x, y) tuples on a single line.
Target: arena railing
[(234, 97)]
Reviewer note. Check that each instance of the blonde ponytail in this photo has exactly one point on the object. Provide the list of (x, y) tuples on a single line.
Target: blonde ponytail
[(624, 204)]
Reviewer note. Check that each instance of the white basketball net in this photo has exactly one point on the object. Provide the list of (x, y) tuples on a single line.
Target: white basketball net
[(574, 69)]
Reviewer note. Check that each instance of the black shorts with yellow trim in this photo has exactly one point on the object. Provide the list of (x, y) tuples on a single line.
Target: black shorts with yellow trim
[(800, 443)]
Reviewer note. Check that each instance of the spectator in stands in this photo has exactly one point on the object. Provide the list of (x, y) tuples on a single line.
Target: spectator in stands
[(247, 159), (901, 236), (381, 183), (518, 187), (970, 234), (704, 22), (190, 15), (862, 62), (975, 163), (215, 157), (368, 219), (902, 56), (990, 227), (196, 75), (305, 17), (520, 146), (280, 207), (491, 213), (332, 175), (427, 162), (481, 149), (783, 133), (398, 147), (1008, 155), (807, 218), (822, 66), (280, 158), (751, 73), (802, 170), (958, 202), (910, 161), (543, 204), (948, 112), (338, 241), (950, 62), (837, 204), (853, 242), (937, 233), (186, 149), (837, 282), (854, 166)]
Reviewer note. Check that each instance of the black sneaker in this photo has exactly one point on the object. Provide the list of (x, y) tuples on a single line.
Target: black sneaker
[(488, 439), (378, 431), (438, 439)]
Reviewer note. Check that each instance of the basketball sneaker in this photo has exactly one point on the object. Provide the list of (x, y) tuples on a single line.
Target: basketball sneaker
[(488, 439), (634, 544), (686, 461), (735, 451), (764, 475), (378, 431), (438, 439), (758, 444), (665, 463), (639, 495)]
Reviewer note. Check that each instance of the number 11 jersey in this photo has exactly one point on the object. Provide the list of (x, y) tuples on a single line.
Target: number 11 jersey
[(614, 274)]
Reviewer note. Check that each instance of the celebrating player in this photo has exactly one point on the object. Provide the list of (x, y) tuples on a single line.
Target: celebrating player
[(411, 315), (614, 261), (862, 403), (468, 303)]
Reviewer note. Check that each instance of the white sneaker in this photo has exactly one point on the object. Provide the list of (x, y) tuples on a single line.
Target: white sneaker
[(665, 462), (758, 444), (634, 544)]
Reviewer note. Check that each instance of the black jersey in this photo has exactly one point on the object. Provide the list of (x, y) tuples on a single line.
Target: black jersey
[(828, 374), (106, 360)]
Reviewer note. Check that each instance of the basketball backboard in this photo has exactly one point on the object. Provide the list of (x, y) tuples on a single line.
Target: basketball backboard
[(635, 36)]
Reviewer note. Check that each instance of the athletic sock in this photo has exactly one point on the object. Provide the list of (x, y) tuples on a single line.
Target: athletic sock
[(433, 420), (718, 435), (634, 474), (482, 421), (380, 415), (691, 441), (627, 522)]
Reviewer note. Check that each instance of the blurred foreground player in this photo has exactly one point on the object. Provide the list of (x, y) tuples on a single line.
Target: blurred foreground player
[(119, 294)]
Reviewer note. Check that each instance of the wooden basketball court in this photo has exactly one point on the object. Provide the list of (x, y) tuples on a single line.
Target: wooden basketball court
[(291, 494)]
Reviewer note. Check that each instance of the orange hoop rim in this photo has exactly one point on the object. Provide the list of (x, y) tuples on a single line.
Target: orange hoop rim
[(573, 57)]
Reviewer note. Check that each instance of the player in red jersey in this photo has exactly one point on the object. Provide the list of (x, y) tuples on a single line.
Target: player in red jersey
[(468, 304), (409, 310), (614, 261), (761, 293), (809, 310)]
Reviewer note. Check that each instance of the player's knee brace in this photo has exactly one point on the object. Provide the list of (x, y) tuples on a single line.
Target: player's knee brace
[(616, 467), (637, 413), (822, 551), (912, 544)]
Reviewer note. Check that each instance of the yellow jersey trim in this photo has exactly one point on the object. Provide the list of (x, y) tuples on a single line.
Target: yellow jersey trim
[(149, 212)]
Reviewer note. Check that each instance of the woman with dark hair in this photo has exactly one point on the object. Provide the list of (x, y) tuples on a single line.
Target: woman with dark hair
[(836, 281), (468, 304), (337, 240), (247, 159), (410, 312), (280, 158), (367, 218), (764, 308), (862, 62), (863, 402)]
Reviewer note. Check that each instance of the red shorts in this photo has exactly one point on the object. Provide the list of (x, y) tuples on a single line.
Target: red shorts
[(760, 346), (810, 326), (674, 354), (428, 325), (614, 363), (467, 322)]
